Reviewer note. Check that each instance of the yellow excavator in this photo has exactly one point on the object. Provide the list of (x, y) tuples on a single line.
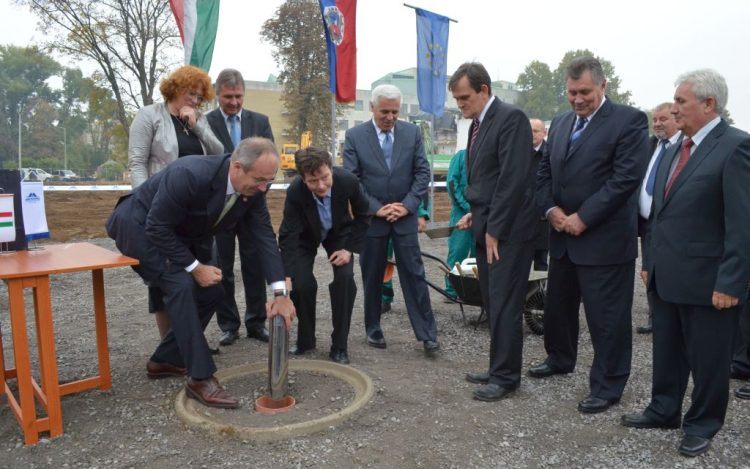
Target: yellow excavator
[(288, 167)]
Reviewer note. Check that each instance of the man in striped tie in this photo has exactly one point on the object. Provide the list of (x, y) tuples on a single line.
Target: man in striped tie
[(665, 136), (698, 263)]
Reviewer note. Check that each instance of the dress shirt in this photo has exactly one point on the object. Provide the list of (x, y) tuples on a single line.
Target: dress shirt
[(644, 201), (697, 139), (324, 212), (381, 133)]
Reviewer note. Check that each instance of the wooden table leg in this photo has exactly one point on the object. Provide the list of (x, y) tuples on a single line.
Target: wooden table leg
[(47, 356), (100, 316), (23, 363)]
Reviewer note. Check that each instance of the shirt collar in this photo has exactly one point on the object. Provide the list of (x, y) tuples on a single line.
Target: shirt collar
[(226, 116), (486, 108), (701, 134), (230, 187), (673, 139), (588, 118), (380, 131)]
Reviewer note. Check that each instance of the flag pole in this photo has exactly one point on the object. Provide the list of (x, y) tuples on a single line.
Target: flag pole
[(432, 171), (414, 8), (333, 130)]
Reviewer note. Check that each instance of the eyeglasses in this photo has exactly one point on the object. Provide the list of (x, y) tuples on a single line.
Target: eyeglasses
[(192, 94)]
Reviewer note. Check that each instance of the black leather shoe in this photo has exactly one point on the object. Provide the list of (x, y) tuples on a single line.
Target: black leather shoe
[(385, 308), (492, 392), (694, 445), (214, 350), (482, 377), (594, 405), (297, 350), (260, 333), (431, 346), (229, 337), (743, 392), (376, 339), (644, 329), (643, 421), (545, 371), (339, 355), (736, 373)]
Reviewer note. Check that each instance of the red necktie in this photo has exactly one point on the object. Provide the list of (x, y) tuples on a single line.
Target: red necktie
[(474, 133), (684, 156)]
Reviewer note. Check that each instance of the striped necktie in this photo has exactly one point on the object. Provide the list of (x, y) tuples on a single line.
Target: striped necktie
[(684, 156), (474, 133)]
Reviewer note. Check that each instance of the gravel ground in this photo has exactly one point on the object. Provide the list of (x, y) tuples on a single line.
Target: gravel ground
[(422, 414)]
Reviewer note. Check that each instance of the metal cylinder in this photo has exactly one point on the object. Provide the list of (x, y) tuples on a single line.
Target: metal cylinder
[(278, 354)]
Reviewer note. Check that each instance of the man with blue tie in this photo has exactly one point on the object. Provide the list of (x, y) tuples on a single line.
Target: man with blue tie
[(388, 158), (665, 135), (587, 188), (231, 124)]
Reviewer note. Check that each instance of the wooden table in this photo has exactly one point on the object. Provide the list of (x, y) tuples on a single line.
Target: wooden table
[(31, 269)]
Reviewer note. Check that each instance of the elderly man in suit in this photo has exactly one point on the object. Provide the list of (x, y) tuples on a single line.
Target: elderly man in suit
[(500, 191), (587, 188), (698, 262), (665, 136), (231, 123), (168, 224), (387, 156), (541, 243), (316, 212)]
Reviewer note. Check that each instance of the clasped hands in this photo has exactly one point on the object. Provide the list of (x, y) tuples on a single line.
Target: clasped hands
[(392, 212), (561, 222)]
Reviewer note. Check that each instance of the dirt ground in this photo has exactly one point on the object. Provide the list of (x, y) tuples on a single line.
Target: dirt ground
[(421, 416)]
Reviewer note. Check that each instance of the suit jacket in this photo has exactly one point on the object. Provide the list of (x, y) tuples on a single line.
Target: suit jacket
[(405, 182), (253, 124), (169, 221), (152, 145), (599, 181), (542, 237), (699, 233), (653, 141), (500, 176), (300, 228)]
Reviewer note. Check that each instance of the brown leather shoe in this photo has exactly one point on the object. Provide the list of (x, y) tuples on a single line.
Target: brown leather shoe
[(164, 370), (209, 393)]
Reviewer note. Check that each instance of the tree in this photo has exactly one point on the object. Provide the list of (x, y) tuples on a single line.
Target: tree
[(128, 39), (613, 90), (537, 86), (296, 32)]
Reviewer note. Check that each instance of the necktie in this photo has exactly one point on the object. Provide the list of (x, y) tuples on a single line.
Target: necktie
[(230, 200), (388, 148), (234, 129), (474, 133), (578, 131), (652, 174), (684, 156)]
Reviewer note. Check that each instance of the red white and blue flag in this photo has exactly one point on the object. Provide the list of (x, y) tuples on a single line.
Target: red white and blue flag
[(7, 224), (340, 23)]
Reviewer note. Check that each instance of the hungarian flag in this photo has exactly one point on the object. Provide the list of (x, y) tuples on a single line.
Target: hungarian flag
[(7, 225), (340, 23), (198, 21)]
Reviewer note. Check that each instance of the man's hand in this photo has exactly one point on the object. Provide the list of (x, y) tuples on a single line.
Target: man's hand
[(206, 275), (574, 226), (397, 211), (288, 283), (464, 223), (281, 306), (188, 114), (421, 225), (557, 219), (384, 211), (492, 244), (644, 277), (722, 301), (340, 257)]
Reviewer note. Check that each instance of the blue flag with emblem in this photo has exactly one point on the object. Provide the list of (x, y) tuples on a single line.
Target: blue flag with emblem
[(432, 61)]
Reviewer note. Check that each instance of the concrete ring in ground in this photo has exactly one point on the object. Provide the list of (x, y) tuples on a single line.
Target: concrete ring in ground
[(190, 410)]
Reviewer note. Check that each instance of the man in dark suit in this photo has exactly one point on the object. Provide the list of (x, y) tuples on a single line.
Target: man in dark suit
[(665, 136), (500, 191), (541, 242), (698, 262), (587, 188), (230, 123), (388, 158), (316, 212), (168, 224)]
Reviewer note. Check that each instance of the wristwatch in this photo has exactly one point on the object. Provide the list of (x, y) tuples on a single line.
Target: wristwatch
[(282, 292)]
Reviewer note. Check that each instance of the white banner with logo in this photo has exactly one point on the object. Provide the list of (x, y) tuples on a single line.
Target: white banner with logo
[(7, 224), (34, 216)]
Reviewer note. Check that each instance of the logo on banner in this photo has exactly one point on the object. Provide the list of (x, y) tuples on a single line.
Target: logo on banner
[(334, 24), (435, 57), (32, 198)]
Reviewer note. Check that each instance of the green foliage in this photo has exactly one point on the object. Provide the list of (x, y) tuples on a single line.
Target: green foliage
[(727, 117), (112, 171), (297, 35)]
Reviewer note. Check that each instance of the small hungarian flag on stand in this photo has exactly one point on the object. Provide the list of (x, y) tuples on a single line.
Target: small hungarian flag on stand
[(340, 22), (198, 21), (7, 225)]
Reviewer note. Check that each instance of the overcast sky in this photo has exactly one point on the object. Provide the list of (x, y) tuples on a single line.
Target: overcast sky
[(649, 42)]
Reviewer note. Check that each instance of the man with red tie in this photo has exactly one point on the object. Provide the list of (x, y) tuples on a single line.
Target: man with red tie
[(698, 263)]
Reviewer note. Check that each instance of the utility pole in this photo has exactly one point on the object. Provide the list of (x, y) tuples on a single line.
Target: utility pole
[(65, 145), (19, 136)]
